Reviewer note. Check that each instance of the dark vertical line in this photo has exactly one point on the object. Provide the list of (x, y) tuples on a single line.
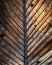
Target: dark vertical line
[(25, 34)]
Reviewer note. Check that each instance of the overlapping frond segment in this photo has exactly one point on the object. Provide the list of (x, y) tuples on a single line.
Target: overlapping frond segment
[(25, 32)]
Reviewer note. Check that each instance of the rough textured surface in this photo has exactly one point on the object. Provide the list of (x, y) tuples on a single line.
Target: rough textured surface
[(25, 32)]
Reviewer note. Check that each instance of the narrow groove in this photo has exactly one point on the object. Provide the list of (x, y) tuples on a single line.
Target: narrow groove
[(9, 51), (36, 26), (12, 17), (34, 14), (11, 45), (46, 59), (43, 54), (37, 30), (14, 11), (25, 34), (4, 60), (12, 24), (11, 2), (16, 6), (14, 37), (32, 9), (35, 20), (18, 3), (37, 41), (12, 28), (42, 49), (8, 56)]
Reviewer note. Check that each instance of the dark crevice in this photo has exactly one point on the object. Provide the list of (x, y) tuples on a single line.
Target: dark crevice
[(25, 34)]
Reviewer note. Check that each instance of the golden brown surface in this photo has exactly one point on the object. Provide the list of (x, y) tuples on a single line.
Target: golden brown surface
[(26, 28)]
